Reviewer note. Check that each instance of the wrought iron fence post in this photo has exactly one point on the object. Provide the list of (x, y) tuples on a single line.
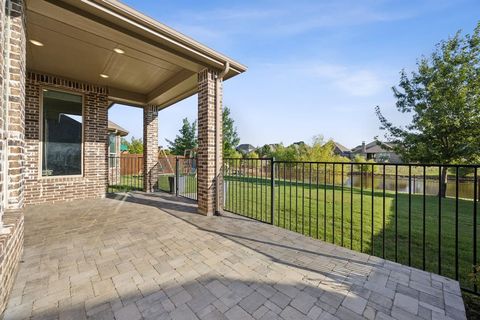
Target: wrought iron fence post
[(177, 176), (272, 189)]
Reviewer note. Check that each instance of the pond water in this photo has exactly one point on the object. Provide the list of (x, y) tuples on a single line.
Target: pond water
[(465, 186)]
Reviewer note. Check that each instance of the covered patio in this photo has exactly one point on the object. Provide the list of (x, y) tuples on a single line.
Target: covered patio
[(148, 255), (151, 256), (64, 63)]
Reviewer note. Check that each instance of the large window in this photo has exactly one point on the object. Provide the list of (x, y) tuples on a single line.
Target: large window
[(61, 134)]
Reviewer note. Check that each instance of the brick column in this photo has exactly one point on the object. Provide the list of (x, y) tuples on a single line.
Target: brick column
[(3, 94), (209, 141), (12, 141), (150, 147), (16, 103)]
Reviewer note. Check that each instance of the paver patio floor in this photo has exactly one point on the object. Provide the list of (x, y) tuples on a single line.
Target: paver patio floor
[(153, 257)]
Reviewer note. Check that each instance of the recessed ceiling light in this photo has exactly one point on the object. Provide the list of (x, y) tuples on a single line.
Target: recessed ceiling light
[(118, 50), (37, 43), (104, 75)]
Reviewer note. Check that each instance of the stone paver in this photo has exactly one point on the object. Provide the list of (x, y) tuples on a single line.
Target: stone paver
[(355, 303), (151, 256), (406, 303)]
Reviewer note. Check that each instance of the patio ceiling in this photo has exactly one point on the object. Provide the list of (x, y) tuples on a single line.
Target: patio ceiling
[(156, 65)]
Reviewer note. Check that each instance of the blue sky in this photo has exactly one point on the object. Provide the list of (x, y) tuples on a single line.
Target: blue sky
[(315, 67)]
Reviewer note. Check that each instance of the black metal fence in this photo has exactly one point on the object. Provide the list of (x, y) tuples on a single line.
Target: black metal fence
[(186, 178), (423, 216), (125, 174), (166, 168), (178, 176)]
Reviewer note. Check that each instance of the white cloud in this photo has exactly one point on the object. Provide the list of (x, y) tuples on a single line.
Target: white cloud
[(351, 80), (289, 18)]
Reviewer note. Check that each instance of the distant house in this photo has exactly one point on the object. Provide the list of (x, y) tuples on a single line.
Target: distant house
[(245, 148), (341, 150), (299, 144), (115, 134), (378, 151)]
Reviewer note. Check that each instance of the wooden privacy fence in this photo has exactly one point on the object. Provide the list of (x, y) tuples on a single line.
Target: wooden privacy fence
[(132, 164), (166, 165)]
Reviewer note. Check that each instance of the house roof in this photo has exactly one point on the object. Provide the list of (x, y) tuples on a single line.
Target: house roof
[(341, 147), (156, 65), (245, 147), (374, 147), (112, 126)]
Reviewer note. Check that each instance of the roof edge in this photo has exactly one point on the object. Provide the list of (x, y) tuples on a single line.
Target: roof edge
[(175, 37)]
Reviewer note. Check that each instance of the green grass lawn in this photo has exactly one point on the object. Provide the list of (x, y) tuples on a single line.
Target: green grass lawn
[(346, 218), (135, 182), (188, 188), (127, 183), (163, 183)]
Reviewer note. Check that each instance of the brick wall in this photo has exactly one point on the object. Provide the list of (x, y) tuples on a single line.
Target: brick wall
[(150, 147), (3, 90), (16, 105), (12, 143), (208, 146), (93, 183), (11, 248)]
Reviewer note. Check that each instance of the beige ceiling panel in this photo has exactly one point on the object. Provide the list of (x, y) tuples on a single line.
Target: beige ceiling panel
[(38, 21), (97, 26), (134, 75), (62, 56), (189, 85), (170, 83), (147, 28), (157, 65), (83, 56)]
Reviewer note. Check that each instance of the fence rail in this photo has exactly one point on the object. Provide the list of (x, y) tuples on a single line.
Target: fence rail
[(423, 216)]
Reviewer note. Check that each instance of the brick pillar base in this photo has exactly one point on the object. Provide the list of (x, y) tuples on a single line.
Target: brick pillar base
[(209, 142), (150, 148), (11, 249)]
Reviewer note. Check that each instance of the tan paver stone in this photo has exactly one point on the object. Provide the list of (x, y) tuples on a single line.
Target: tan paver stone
[(130, 312), (152, 257)]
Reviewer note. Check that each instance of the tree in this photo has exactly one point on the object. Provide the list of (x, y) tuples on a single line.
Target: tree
[(185, 140), (363, 164), (266, 151), (320, 151), (443, 98), (135, 146), (235, 155), (252, 155), (282, 153), (230, 135)]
